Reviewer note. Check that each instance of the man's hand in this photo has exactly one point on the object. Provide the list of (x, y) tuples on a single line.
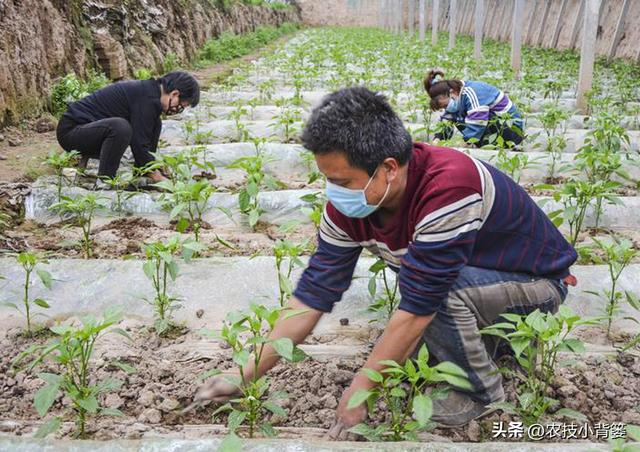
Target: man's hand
[(218, 389), (296, 328), (400, 338), (156, 176), (347, 418)]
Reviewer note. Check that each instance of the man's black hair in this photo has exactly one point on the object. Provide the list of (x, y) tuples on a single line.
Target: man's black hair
[(362, 125), (183, 82)]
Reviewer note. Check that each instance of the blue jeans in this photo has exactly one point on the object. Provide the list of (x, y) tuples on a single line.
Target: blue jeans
[(477, 299)]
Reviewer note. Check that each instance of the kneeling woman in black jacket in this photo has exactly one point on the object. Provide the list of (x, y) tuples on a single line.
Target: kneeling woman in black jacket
[(105, 123)]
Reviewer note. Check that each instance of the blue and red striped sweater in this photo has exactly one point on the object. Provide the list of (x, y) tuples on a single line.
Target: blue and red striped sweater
[(456, 211)]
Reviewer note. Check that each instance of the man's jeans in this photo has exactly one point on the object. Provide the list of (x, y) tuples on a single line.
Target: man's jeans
[(475, 301)]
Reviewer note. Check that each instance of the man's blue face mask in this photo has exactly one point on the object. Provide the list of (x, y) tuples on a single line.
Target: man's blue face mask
[(452, 107), (353, 203)]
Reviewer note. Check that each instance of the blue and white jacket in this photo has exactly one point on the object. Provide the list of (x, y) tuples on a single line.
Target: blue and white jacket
[(479, 102)]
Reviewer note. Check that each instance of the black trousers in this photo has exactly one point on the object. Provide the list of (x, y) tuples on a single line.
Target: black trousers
[(494, 128), (106, 140)]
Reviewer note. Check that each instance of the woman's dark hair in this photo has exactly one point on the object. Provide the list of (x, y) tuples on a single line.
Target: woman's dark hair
[(362, 125), (438, 88), (183, 82)]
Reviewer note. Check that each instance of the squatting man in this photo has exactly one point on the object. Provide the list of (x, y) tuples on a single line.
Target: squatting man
[(465, 240)]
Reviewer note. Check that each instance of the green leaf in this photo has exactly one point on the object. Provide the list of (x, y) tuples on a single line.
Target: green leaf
[(45, 277), (44, 398), (10, 305), (48, 427), (236, 418), (231, 443), (450, 368), (208, 374), (126, 368), (122, 333), (173, 269), (111, 412), (284, 347), (40, 302), (398, 392), (110, 384), (149, 269), (358, 398), (52, 379), (373, 375), (575, 345), (422, 409), (518, 345), (573, 414), (507, 407), (275, 409), (633, 432), (89, 403), (241, 358), (182, 225), (454, 380), (365, 431), (254, 216), (268, 430)]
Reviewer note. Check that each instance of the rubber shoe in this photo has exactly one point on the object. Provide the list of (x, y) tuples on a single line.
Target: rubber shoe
[(458, 409)]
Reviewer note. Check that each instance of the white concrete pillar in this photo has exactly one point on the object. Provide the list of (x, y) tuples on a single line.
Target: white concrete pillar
[(453, 23), (587, 52), (516, 36), (477, 50), (435, 16), (619, 30), (412, 17), (422, 14), (556, 32)]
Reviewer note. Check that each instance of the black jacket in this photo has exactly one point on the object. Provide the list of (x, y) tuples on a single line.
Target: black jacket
[(136, 101)]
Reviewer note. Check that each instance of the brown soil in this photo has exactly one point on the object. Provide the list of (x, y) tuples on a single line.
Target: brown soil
[(123, 237), (24, 161), (605, 389)]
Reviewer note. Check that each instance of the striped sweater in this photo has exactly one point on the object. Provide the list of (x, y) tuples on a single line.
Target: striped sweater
[(456, 211), (479, 103)]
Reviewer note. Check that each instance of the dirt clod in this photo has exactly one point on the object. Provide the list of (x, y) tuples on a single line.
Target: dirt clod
[(151, 415)]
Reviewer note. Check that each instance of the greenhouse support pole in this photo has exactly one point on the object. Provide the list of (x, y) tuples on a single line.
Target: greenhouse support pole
[(543, 25), (587, 52), (516, 37), (453, 22), (393, 12), (528, 39), (576, 25), (412, 17), (556, 33), (477, 51), (422, 13), (435, 16), (619, 30), (383, 16)]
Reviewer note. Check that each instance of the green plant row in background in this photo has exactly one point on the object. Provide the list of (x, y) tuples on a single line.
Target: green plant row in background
[(229, 45), (227, 4)]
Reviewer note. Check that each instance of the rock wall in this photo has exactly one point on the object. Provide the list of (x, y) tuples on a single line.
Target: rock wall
[(542, 17), (41, 40)]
